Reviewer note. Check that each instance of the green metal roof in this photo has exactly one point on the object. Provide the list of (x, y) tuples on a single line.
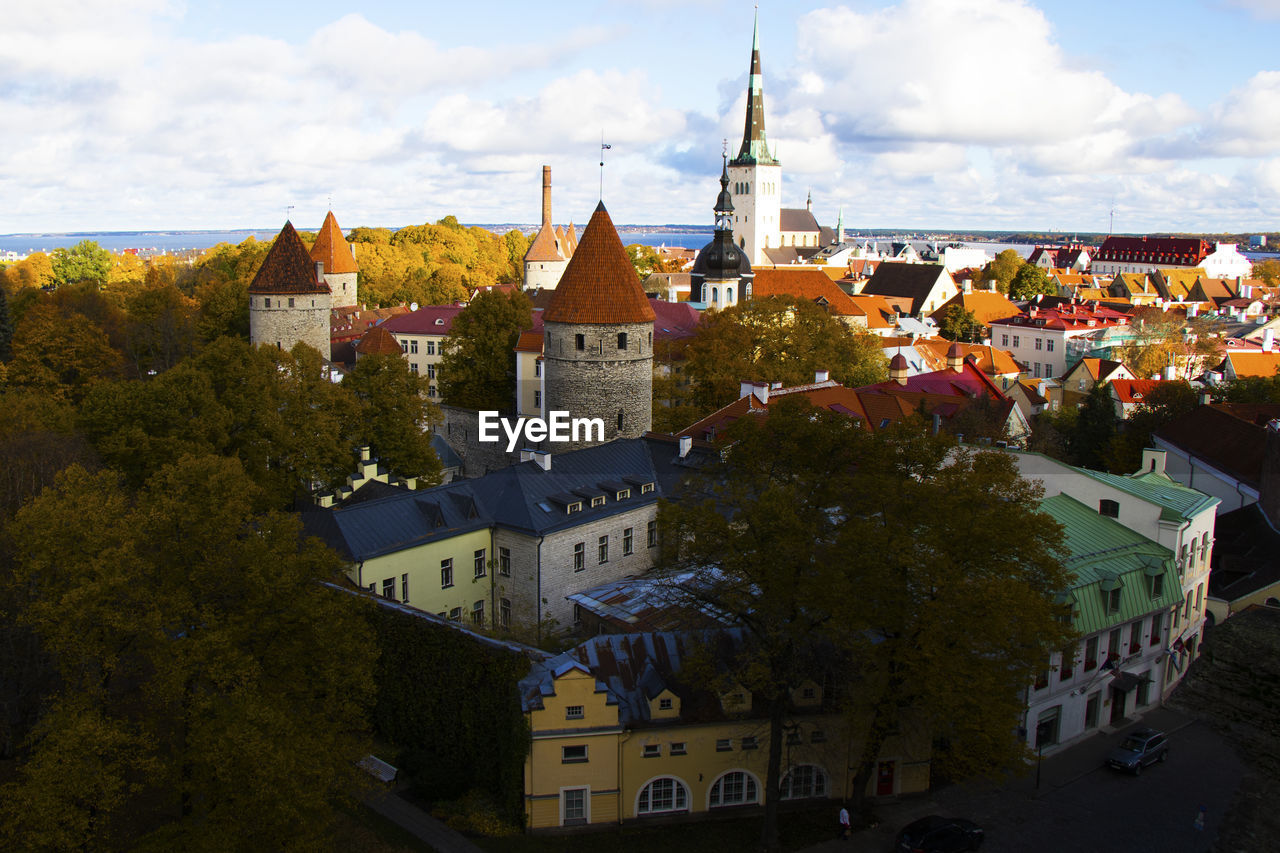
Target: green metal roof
[(1176, 501), (1102, 552)]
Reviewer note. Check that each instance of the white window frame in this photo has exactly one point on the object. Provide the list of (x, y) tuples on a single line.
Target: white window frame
[(749, 779), (586, 805), (675, 809)]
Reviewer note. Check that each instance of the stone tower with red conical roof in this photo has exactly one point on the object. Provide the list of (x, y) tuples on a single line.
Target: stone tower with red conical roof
[(549, 253), (598, 338), (289, 300), (340, 268)]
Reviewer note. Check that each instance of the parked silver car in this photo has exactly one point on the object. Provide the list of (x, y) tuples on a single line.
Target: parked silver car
[(1139, 748)]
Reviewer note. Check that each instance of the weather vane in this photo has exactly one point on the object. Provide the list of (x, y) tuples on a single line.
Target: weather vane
[(603, 148), (287, 208)]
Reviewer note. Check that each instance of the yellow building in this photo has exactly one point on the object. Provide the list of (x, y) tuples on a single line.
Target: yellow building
[(618, 735)]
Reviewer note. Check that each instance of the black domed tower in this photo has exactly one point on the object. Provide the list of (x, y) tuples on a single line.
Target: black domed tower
[(722, 271)]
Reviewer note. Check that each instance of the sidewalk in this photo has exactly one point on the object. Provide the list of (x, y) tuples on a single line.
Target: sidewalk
[(414, 820), (975, 798)]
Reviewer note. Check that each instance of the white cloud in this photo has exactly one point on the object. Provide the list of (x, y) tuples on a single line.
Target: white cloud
[(1258, 8)]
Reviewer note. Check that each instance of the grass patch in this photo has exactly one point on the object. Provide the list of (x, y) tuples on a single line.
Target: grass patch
[(797, 829)]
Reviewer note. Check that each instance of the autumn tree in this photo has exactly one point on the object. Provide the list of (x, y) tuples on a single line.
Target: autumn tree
[(1268, 271), (160, 329), (213, 692), (6, 328), (86, 261), (1163, 339), (960, 324), (60, 354), (913, 578), (774, 340), (1002, 269), (1029, 282), (32, 272), (478, 367), (395, 415)]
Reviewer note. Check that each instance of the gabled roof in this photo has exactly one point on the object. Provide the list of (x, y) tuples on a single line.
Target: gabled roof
[(805, 283), (986, 305), (378, 341), (1160, 251), (545, 247), (990, 360), (1255, 363), (1246, 554), (674, 320), (1100, 550), (427, 320), (1176, 501), (287, 268), (913, 281), (332, 249), (1229, 437), (798, 219), (1132, 392), (599, 285)]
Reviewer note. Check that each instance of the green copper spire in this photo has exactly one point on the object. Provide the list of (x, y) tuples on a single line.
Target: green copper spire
[(755, 149)]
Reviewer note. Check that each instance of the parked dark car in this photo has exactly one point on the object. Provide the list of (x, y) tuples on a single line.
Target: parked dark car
[(934, 834), (1139, 748)]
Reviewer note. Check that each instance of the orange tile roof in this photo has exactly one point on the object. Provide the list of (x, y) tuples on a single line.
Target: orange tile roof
[(287, 268), (986, 305), (809, 283), (1254, 363), (879, 309), (599, 285), (544, 247), (332, 249), (378, 341), (530, 342), (1133, 391)]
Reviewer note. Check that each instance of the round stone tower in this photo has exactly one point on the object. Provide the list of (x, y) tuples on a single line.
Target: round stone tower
[(340, 268), (598, 344), (288, 299)]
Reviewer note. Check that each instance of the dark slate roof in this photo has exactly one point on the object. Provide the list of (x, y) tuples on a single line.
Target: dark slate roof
[(288, 267), (797, 219), (1246, 554), (521, 497), (1230, 437), (599, 285), (911, 281), (632, 669)]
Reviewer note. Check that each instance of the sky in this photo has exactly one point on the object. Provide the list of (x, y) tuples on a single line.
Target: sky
[(1061, 115)]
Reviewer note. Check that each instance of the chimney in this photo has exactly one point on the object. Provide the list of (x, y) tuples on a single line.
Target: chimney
[(546, 195), (968, 285), (761, 392), (821, 375), (1153, 460), (1268, 339), (543, 459), (1269, 488), (745, 388), (1206, 398), (955, 358), (1170, 373), (1246, 290), (685, 444), (319, 270), (1193, 309)]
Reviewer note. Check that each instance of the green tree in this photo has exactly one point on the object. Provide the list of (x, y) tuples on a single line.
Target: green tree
[(478, 367), (1268, 271), (1030, 281), (206, 674), (960, 324), (774, 340), (1095, 427), (1249, 389), (883, 561), (1003, 269), (86, 261), (1166, 402), (395, 415), (161, 328)]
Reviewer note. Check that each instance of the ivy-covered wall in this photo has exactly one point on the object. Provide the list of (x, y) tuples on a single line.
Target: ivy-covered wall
[(450, 706)]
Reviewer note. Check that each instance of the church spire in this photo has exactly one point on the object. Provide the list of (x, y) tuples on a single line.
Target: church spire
[(755, 149)]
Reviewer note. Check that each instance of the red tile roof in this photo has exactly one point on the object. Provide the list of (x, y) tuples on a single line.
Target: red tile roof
[(1069, 317), (810, 283), (599, 285), (332, 249), (378, 341), (287, 268), (428, 320), (1163, 251), (1133, 391), (544, 246)]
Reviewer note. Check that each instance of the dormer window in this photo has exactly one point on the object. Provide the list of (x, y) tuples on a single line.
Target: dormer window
[(573, 507), (1109, 508), (1156, 583), (623, 495), (665, 705), (1111, 597), (646, 488), (597, 501)]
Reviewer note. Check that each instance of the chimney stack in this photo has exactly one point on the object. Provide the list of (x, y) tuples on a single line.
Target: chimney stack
[(546, 195), (686, 444), (821, 375), (1268, 340)]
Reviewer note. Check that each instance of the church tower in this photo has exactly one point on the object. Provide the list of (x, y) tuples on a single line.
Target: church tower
[(755, 177), (288, 298), (721, 275), (340, 268), (598, 344)]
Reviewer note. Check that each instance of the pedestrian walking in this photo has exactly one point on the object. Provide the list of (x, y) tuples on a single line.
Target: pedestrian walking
[(844, 823), (1199, 822)]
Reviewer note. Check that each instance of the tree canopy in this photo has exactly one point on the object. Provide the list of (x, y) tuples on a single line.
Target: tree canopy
[(960, 324), (205, 673), (1002, 269), (774, 340), (917, 576), (86, 261), (478, 367), (1030, 281)]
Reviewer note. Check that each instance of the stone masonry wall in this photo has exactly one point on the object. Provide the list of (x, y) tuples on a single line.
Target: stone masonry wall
[(343, 286), (601, 380), (280, 325)]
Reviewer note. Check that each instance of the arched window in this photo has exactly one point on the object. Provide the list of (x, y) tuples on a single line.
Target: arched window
[(728, 295), (663, 796), (715, 294), (804, 781), (735, 788)]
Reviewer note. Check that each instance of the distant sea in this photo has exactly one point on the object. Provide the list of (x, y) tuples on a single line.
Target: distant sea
[(692, 237)]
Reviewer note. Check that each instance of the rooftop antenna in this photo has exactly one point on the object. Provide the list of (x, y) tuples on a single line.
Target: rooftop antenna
[(1111, 226), (286, 212), (604, 146)]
